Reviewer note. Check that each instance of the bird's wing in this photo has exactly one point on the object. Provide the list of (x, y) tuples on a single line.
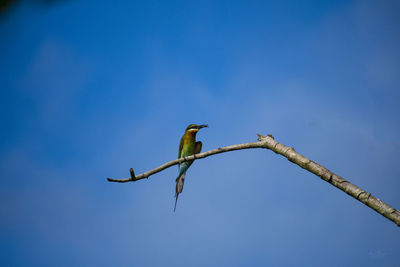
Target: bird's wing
[(197, 148), (180, 148)]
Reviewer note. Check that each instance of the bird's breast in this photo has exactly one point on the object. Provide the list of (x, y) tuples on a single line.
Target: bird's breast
[(188, 147)]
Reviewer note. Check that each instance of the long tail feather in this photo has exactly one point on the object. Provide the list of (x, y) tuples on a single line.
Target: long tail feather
[(179, 187), (176, 201)]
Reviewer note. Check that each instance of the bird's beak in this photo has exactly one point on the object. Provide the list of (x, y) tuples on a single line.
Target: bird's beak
[(203, 126)]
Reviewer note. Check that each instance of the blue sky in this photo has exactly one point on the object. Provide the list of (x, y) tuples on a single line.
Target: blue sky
[(90, 89)]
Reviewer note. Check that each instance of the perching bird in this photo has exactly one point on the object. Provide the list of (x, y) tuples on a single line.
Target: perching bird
[(188, 146)]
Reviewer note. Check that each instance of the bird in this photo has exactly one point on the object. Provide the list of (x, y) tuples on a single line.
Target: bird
[(187, 146)]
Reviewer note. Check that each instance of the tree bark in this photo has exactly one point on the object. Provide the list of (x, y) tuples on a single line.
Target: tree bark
[(268, 142)]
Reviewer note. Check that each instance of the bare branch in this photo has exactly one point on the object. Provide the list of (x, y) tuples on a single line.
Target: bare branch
[(268, 142), (196, 156)]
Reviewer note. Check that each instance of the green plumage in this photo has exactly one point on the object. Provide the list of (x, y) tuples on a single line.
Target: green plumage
[(187, 147)]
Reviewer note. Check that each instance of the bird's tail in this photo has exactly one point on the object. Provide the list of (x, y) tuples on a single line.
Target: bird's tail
[(179, 187)]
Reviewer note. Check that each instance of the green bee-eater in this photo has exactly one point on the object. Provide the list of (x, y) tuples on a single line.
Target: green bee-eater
[(188, 146)]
